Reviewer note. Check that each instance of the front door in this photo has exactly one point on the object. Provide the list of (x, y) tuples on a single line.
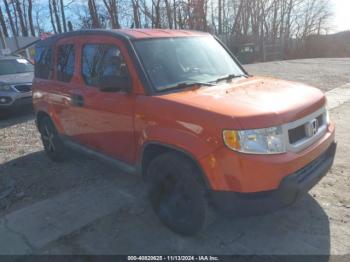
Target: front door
[(107, 122)]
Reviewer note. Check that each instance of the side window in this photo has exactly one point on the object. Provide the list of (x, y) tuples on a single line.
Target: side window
[(102, 60), (43, 62), (65, 62)]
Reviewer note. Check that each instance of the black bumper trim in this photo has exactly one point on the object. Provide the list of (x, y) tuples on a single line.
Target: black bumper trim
[(19, 102), (291, 189)]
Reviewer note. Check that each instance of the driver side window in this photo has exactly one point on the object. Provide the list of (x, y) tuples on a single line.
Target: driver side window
[(102, 60)]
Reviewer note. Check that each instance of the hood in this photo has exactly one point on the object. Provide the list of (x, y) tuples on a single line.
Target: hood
[(255, 102), (17, 78)]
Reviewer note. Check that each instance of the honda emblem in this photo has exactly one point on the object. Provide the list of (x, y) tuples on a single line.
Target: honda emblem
[(312, 128)]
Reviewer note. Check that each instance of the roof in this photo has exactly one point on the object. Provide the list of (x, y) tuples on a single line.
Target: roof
[(126, 34), (156, 33)]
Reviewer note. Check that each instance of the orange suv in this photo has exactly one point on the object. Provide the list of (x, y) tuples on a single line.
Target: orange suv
[(178, 108)]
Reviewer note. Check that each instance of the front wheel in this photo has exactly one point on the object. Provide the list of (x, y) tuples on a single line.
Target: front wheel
[(176, 194), (53, 144)]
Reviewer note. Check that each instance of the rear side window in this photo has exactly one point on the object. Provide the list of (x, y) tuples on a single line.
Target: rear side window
[(101, 60), (65, 62), (43, 62)]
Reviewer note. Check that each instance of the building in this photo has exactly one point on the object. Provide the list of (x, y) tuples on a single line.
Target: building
[(25, 45)]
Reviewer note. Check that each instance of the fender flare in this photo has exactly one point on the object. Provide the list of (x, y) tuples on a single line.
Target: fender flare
[(174, 148)]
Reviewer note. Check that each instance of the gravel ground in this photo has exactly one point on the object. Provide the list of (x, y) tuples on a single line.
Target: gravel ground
[(318, 224), (324, 73)]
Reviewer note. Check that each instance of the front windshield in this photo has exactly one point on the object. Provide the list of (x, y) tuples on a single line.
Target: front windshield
[(171, 61), (15, 66)]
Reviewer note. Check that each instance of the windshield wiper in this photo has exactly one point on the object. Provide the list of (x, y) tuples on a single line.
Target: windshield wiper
[(227, 78), (187, 84)]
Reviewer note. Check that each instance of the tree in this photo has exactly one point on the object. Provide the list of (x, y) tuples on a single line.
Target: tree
[(156, 14), (20, 16), (112, 8), (94, 14), (220, 16), (52, 19), (13, 28), (136, 13), (169, 14), (57, 16), (63, 16), (30, 17), (3, 24)]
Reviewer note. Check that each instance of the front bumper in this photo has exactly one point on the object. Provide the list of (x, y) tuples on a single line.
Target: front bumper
[(231, 171), (290, 189), (15, 99)]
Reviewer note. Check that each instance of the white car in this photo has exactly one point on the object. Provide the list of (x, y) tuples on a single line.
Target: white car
[(16, 76)]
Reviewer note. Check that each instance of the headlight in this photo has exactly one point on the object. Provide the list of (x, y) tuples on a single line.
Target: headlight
[(5, 88), (256, 141)]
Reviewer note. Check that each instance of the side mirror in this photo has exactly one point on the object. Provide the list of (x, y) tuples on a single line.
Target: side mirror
[(115, 84)]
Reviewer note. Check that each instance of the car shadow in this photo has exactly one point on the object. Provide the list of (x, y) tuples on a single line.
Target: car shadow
[(15, 116), (301, 229)]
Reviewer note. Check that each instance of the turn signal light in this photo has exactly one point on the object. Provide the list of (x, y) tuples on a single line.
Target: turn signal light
[(231, 139)]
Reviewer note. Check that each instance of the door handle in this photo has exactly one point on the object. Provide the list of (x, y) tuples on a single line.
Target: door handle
[(77, 100)]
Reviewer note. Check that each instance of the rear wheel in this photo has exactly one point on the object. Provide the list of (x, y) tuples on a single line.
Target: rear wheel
[(53, 144), (177, 195)]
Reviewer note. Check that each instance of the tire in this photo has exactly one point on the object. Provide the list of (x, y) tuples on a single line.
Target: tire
[(53, 144), (177, 194)]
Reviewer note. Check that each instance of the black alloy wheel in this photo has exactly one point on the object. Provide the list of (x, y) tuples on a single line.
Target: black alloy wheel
[(53, 144), (176, 194)]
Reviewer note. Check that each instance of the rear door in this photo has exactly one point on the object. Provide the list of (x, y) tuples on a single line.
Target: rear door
[(55, 81), (65, 88), (107, 121)]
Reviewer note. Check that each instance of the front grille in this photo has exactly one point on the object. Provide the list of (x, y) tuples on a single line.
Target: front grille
[(299, 133), (23, 101), (320, 120), (24, 88)]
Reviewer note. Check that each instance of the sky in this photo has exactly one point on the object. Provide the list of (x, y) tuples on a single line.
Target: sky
[(342, 15)]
